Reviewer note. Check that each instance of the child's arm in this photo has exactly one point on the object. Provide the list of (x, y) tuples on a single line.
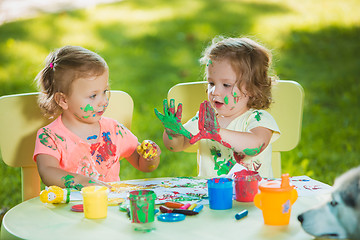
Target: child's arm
[(249, 143), (51, 174), (146, 157), (175, 143), (176, 137)]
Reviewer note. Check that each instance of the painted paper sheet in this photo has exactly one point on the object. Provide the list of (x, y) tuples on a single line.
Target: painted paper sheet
[(178, 189), (191, 190)]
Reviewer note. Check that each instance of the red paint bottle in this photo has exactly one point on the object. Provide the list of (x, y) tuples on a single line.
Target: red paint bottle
[(246, 185)]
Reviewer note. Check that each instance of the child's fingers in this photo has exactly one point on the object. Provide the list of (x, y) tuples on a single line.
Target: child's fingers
[(159, 115), (209, 111), (172, 106), (147, 149), (195, 138), (166, 107), (179, 112), (201, 116)]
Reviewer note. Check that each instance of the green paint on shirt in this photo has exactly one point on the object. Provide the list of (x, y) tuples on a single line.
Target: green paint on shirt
[(59, 137), (257, 116)]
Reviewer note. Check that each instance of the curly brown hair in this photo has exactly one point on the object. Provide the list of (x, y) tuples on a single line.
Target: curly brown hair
[(250, 61), (62, 67)]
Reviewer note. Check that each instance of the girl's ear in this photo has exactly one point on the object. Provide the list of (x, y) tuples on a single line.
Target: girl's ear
[(61, 100)]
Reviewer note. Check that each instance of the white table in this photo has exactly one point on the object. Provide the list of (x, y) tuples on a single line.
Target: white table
[(33, 219)]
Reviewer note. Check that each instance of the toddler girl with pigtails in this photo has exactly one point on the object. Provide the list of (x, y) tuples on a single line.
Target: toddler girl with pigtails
[(81, 147)]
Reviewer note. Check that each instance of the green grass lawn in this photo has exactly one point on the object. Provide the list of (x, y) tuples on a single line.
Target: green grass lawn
[(152, 45)]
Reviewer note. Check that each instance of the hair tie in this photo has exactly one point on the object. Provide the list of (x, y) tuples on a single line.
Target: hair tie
[(51, 65)]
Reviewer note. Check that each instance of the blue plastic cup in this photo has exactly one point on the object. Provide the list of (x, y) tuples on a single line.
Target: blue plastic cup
[(220, 193)]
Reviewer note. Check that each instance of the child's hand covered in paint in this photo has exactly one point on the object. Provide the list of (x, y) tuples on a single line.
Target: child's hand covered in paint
[(208, 125), (78, 181), (172, 120), (148, 149)]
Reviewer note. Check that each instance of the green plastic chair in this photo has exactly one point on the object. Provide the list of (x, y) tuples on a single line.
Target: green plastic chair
[(287, 109), (19, 122)]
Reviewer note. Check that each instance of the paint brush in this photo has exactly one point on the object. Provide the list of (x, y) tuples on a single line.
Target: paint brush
[(164, 209)]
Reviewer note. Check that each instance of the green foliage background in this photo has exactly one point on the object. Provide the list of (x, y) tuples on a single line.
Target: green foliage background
[(152, 45)]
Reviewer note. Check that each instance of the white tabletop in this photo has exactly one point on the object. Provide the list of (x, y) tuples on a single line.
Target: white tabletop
[(33, 219)]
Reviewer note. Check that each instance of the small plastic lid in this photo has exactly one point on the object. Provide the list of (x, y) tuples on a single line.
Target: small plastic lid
[(77, 208), (277, 186), (171, 217)]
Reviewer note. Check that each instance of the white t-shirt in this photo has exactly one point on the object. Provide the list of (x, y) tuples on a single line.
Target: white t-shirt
[(216, 159)]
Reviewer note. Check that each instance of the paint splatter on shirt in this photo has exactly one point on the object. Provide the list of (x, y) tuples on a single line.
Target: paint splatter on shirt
[(99, 160), (215, 159)]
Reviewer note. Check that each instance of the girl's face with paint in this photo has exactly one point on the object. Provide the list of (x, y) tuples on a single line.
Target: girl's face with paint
[(88, 99), (223, 93)]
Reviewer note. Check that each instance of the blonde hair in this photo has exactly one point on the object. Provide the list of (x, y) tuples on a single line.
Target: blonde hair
[(250, 61), (62, 67)]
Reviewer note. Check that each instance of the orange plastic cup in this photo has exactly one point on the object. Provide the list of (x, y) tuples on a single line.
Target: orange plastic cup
[(275, 200), (95, 201)]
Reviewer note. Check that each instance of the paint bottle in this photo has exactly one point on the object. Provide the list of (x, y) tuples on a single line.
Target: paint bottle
[(275, 200), (95, 201), (142, 209), (220, 193), (246, 185)]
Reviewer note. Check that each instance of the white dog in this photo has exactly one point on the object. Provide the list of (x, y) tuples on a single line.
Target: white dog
[(340, 217)]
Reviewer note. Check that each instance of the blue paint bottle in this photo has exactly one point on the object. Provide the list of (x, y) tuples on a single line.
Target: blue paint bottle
[(220, 193)]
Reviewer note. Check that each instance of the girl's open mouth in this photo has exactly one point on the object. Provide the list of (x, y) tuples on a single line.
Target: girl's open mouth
[(218, 104)]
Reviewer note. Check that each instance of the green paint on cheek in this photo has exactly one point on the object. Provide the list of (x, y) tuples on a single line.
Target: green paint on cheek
[(235, 97), (252, 151), (226, 100), (87, 108), (209, 62)]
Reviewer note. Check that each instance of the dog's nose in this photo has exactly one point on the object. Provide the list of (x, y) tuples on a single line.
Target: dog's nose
[(300, 218)]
